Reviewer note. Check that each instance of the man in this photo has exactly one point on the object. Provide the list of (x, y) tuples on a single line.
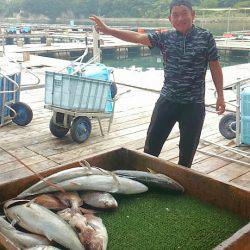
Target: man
[(187, 51)]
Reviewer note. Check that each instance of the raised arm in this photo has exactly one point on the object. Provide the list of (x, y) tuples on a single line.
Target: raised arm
[(126, 35), (217, 76)]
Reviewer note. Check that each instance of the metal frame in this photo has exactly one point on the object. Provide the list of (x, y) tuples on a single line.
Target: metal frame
[(226, 148), (7, 104), (237, 87), (76, 113)]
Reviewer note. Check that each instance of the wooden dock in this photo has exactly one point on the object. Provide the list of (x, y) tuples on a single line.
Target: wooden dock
[(110, 45), (36, 147)]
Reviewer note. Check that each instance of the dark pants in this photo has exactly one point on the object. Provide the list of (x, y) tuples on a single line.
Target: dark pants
[(166, 113)]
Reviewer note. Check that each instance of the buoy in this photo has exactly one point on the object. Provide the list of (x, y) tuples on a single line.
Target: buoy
[(141, 30), (228, 35)]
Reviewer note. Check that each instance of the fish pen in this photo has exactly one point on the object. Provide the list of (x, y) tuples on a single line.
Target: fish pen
[(210, 213)]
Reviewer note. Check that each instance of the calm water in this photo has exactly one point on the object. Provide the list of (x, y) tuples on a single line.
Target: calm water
[(217, 26), (155, 61)]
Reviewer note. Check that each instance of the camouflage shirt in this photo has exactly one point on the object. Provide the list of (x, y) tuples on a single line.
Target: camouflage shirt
[(185, 63)]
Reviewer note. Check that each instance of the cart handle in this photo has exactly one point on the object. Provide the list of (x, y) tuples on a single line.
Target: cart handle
[(21, 68), (15, 113), (119, 95), (15, 83)]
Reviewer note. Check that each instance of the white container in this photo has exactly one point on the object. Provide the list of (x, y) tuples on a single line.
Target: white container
[(76, 92)]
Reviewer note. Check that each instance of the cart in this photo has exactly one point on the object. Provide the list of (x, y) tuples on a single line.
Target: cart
[(237, 124), (11, 109), (75, 100)]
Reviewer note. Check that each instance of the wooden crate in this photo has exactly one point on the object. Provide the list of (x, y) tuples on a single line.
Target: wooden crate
[(223, 195)]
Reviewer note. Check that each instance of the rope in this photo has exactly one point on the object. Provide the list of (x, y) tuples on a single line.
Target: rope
[(35, 173)]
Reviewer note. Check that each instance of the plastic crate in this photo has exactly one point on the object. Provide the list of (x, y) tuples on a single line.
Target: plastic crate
[(245, 116), (101, 72), (11, 30), (25, 29), (8, 97), (76, 92)]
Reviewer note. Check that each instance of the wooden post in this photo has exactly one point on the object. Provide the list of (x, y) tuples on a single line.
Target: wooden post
[(20, 42), (48, 41), (96, 46), (26, 56)]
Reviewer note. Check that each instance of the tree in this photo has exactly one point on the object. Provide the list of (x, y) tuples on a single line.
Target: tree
[(51, 9)]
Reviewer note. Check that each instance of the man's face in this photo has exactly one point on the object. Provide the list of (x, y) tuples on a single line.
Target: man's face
[(181, 18)]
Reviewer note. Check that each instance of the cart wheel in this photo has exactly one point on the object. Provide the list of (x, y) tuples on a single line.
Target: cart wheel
[(80, 129), (24, 113), (113, 89), (56, 130), (227, 126)]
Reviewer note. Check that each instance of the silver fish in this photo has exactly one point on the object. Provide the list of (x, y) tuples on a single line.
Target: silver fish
[(21, 239), (42, 248), (100, 183), (101, 200), (63, 176), (150, 179), (40, 220)]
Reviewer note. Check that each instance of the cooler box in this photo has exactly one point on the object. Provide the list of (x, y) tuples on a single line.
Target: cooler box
[(245, 116)]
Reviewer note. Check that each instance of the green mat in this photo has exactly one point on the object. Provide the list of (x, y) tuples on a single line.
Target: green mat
[(163, 221)]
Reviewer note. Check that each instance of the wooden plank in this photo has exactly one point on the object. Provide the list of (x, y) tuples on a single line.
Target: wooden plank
[(70, 155), (229, 172), (209, 165), (239, 240), (243, 180), (20, 171)]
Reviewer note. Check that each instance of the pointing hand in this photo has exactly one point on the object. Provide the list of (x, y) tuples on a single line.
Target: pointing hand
[(99, 25)]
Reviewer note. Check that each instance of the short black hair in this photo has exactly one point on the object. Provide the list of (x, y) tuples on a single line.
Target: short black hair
[(180, 2)]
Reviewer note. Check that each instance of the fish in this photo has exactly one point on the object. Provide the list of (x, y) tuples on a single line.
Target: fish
[(42, 248), (152, 180), (63, 176), (70, 199), (99, 183), (50, 202), (73, 201), (39, 220), (79, 223), (101, 200), (97, 239), (21, 239)]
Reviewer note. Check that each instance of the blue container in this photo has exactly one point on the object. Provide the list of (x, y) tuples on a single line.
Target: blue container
[(100, 72), (97, 71), (11, 30), (9, 86), (245, 116), (25, 29)]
